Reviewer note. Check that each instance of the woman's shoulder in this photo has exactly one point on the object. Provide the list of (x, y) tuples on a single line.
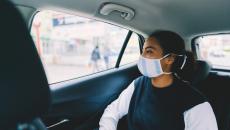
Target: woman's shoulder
[(190, 96), (191, 89), (140, 80)]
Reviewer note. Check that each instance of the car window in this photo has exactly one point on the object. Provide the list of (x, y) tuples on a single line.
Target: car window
[(132, 51), (72, 46), (215, 49)]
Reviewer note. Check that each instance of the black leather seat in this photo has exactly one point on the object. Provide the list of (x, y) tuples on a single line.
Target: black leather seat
[(216, 88), (24, 90), (201, 72)]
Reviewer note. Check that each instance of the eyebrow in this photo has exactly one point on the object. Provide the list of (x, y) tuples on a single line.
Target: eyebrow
[(151, 47)]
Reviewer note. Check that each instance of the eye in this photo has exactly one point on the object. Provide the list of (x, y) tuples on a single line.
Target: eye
[(149, 51)]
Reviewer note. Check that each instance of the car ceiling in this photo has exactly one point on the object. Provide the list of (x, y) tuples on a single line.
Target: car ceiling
[(189, 18)]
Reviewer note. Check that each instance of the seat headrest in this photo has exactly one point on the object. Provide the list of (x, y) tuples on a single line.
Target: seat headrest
[(24, 90), (202, 71)]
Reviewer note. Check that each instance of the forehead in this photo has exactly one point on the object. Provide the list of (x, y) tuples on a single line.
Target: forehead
[(153, 43)]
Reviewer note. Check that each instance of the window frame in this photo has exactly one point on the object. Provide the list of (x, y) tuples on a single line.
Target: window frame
[(195, 50), (124, 46)]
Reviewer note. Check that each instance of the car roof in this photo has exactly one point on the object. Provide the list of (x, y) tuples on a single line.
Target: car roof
[(189, 18)]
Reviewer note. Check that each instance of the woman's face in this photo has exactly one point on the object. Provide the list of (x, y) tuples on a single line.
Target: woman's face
[(152, 49)]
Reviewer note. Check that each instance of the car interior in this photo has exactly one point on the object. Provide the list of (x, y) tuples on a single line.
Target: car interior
[(23, 98), (28, 101)]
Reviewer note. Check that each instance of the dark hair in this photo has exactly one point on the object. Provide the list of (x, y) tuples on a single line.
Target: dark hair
[(171, 42)]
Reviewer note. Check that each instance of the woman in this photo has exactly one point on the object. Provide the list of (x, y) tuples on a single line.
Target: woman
[(161, 99)]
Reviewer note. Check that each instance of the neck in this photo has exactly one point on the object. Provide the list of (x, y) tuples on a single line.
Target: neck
[(162, 81)]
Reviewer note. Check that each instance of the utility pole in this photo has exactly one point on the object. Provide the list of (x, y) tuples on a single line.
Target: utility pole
[(37, 27)]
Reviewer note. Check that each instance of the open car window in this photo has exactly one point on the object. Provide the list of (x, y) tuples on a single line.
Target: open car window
[(215, 49), (71, 46)]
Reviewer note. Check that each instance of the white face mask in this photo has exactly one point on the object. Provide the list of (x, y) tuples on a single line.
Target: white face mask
[(152, 67)]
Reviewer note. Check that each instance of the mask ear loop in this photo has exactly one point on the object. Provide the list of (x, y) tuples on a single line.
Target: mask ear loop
[(164, 56), (185, 59), (182, 66)]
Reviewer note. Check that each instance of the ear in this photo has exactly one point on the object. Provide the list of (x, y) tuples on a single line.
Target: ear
[(170, 59)]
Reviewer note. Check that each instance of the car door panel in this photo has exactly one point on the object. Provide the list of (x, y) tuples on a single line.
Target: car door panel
[(83, 100)]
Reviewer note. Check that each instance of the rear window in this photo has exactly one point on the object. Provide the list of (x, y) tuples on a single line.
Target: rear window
[(215, 49)]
